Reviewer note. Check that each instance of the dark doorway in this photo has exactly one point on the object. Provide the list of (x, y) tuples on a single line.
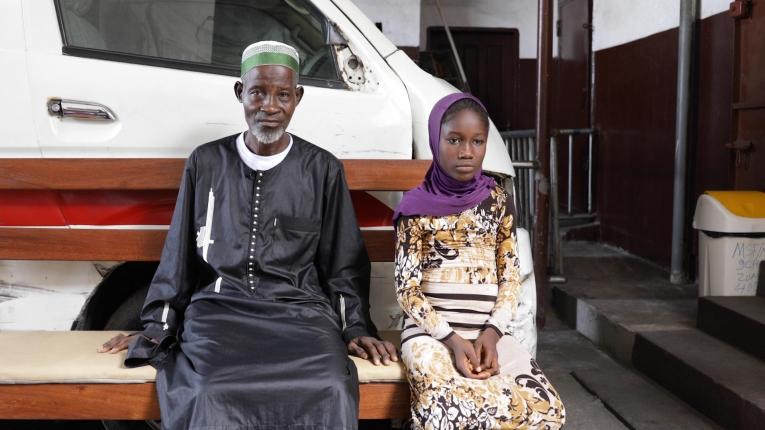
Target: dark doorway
[(572, 99), (748, 140), (490, 59)]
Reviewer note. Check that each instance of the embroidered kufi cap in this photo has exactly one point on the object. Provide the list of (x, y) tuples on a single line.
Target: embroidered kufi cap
[(270, 53)]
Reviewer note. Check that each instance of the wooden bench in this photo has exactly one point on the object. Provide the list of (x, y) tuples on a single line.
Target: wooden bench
[(115, 392)]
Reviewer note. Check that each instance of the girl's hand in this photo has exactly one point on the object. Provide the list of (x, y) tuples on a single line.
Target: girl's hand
[(486, 351), (465, 358)]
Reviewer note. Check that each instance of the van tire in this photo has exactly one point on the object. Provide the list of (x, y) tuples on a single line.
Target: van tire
[(127, 316), (116, 298)]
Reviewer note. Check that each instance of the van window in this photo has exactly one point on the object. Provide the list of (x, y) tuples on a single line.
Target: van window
[(185, 33)]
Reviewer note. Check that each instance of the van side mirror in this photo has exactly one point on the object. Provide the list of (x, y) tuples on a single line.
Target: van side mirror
[(334, 36)]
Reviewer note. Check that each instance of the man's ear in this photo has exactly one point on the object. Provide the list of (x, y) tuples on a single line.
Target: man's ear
[(238, 87), (298, 94)]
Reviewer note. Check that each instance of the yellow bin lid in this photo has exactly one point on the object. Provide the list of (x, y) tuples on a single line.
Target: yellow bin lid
[(730, 212), (747, 204)]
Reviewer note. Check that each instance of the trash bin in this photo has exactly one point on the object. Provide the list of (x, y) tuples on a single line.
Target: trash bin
[(731, 228)]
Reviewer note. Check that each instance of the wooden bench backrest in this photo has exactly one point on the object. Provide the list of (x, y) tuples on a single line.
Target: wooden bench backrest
[(153, 174)]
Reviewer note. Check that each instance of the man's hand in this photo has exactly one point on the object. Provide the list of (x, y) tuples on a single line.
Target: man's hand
[(486, 351), (465, 358), (117, 343), (368, 347)]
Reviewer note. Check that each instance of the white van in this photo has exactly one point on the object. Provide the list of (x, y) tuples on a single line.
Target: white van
[(154, 78)]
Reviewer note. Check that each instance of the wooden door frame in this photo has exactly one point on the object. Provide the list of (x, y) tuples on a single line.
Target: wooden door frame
[(515, 53)]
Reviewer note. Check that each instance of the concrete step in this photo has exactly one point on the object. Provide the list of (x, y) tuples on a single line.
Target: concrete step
[(611, 323), (635, 400), (737, 320), (722, 382), (601, 394)]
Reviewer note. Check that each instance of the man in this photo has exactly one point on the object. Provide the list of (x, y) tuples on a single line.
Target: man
[(262, 289)]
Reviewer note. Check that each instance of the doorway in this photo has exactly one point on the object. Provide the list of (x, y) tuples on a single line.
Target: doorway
[(490, 60), (572, 101)]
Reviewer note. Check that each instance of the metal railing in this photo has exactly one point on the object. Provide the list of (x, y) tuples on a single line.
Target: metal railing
[(521, 145), (570, 133), (573, 220)]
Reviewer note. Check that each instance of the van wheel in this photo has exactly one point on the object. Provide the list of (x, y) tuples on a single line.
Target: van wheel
[(116, 298), (127, 316)]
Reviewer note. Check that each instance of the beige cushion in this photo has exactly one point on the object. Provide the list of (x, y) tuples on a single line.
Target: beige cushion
[(37, 357), (34, 357)]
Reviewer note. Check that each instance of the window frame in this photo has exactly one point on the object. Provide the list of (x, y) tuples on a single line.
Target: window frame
[(168, 63)]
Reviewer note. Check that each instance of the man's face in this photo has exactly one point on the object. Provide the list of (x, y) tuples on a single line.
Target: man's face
[(269, 95)]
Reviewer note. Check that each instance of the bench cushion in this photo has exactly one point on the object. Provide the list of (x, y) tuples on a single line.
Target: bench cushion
[(38, 357)]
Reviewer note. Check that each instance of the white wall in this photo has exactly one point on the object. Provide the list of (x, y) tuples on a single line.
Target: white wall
[(621, 21), (615, 22), (520, 14), (400, 19)]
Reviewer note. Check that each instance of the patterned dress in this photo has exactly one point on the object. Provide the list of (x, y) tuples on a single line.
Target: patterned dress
[(461, 273)]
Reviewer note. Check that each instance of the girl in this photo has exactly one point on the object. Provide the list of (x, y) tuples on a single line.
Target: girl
[(457, 280)]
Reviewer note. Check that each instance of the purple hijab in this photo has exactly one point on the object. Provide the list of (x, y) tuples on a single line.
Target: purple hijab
[(440, 194)]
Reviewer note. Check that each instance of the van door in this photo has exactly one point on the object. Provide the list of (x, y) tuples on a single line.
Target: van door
[(17, 138), (139, 78)]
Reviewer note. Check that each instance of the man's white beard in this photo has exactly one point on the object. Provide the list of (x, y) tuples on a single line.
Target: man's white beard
[(267, 136)]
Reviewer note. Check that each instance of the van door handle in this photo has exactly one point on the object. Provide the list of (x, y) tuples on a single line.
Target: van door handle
[(65, 108)]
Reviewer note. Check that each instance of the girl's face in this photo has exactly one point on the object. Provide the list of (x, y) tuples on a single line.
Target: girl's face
[(463, 145)]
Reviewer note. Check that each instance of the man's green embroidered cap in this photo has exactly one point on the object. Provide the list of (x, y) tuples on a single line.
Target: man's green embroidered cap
[(270, 53)]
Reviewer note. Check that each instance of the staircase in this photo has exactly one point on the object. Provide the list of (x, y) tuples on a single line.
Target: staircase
[(718, 367)]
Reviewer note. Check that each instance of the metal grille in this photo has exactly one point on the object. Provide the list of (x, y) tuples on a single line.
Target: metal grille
[(521, 145)]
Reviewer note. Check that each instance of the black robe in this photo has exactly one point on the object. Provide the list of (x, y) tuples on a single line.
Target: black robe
[(263, 280)]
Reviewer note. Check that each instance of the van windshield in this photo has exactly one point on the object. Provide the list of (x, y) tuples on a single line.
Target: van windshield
[(208, 32)]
